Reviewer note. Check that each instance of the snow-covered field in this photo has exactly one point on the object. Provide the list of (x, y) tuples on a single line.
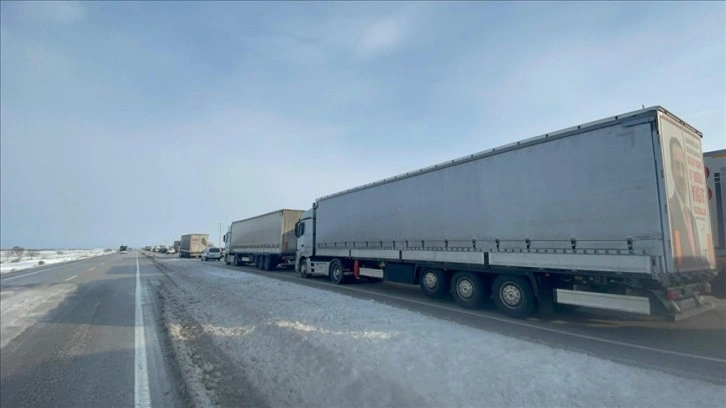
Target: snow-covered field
[(250, 340), (30, 258)]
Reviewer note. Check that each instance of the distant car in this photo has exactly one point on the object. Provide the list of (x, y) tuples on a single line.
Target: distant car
[(171, 251), (212, 253), (123, 249)]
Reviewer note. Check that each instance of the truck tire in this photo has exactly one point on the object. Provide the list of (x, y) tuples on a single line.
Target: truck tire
[(468, 290), (335, 272), (433, 283), (260, 262), (273, 263), (303, 268), (513, 296), (267, 263)]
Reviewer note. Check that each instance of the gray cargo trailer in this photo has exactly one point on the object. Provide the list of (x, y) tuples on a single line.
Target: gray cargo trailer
[(266, 240), (608, 214), (192, 245)]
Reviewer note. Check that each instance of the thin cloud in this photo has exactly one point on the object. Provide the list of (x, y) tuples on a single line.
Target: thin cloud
[(380, 38), (59, 12)]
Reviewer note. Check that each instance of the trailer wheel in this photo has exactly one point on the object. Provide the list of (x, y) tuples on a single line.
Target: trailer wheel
[(513, 296), (468, 290), (433, 283), (258, 262), (267, 263), (336, 272), (303, 268)]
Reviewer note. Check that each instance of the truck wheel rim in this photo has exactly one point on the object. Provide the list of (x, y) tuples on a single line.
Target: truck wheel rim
[(303, 269), (336, 273), (511, 295), (465, 288), (430, 280)]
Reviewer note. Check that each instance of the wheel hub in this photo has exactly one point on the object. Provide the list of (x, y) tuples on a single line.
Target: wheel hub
[(465, 288), (511, 295), (431, 280)]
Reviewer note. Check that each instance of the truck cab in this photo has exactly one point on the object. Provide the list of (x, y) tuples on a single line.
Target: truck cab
[(304, 231), (227, 249)]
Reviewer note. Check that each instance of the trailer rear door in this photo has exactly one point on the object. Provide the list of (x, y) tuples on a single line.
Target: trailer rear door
[(691, 239)]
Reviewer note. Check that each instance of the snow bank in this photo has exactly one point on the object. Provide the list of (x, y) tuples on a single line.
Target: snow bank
[(30, 258), (302, 346)]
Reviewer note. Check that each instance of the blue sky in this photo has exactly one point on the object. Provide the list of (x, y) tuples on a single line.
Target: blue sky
[(138, 122)]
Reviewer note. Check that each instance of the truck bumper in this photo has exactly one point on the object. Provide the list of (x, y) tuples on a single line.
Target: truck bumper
[(701, 307)]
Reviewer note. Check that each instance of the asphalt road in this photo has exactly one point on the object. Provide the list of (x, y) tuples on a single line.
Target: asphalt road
[(694, 348), (99, 346)]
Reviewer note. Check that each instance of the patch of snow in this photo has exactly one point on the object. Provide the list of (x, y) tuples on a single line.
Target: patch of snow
[(303, 346), (23, 308), (31, 259)]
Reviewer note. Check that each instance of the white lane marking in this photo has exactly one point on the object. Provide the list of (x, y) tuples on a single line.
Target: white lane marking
[(141, 374), (513, 322), (74, 276), (92, 268)]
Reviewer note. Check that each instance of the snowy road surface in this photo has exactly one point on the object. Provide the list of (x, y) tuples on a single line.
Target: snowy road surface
[(176, 332), (254, 339), (68, 336)]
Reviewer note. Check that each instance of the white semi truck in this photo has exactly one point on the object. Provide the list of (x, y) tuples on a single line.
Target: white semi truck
[(267, 240), (610, 214)]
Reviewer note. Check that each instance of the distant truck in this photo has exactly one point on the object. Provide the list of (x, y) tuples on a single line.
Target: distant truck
[(266, 240), (176, 246), (610, 214), (192, 245), (124, 249), (715, 162)]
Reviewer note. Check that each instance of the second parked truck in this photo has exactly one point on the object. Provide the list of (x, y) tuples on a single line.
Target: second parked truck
[(266, 240), (610, 214)]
